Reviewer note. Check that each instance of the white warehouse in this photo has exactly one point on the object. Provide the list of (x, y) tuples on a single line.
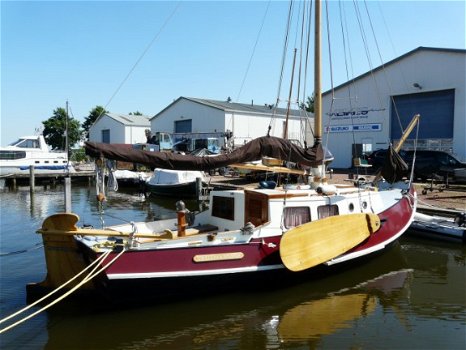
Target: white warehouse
[(246, 121), (119, 128), (370, 111)]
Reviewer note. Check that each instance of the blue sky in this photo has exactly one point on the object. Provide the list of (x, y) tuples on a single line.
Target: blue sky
[(82, 51)]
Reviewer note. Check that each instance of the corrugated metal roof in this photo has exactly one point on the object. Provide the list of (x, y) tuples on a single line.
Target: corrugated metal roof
[(130, 120), (236, 107), (243, 107)]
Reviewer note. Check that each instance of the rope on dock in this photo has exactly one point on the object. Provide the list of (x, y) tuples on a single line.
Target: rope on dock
[(89, 277)]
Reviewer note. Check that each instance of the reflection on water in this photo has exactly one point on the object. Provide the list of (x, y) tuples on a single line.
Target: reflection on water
[(410, 297), (317, 318)]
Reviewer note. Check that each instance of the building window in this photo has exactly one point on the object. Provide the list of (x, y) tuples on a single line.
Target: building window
[(295, 216), (106, 136)]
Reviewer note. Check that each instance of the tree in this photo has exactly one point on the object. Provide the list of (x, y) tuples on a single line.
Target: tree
[(309, 105), (91, 118), (55, 129), (135, 113)]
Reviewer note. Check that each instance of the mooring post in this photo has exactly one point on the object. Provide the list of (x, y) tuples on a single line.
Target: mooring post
[(67, 194), (199, 194), (32, 181)]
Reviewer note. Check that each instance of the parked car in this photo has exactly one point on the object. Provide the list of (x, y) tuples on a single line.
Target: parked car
[(377, 158), (432, 164), (429, 164)]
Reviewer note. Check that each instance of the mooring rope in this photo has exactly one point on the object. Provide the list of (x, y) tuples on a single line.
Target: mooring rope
[(37, 246), (56, 289), (84, 281)]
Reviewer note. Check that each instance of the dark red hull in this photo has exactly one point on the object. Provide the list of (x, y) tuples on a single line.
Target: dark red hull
[(171, 272)]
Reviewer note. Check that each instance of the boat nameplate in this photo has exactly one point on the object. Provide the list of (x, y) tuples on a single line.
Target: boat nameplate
[(218, 257)]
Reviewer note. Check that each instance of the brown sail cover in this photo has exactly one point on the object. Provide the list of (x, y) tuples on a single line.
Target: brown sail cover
[(254, 150)]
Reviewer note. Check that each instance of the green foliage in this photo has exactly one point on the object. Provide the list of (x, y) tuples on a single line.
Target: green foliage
[(135, 113), (78, 155), (91, 118), (309, 105), (55, 130)]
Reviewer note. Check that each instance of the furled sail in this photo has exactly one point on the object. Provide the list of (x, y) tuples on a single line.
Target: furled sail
[(266, 146), (394, 168)]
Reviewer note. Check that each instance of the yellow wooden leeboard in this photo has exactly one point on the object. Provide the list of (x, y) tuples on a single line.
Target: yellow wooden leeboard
[(318, 241)]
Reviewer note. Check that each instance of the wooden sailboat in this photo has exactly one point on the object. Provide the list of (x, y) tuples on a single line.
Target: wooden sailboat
[(247, 238)]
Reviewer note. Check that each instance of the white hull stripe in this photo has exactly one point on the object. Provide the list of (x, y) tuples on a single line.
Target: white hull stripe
[(124, 276)]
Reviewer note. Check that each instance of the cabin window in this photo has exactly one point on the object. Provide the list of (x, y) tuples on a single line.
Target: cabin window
[(27, 143), (256, 210), (12, 155), (324, 211), (223, 207), (295, 216)]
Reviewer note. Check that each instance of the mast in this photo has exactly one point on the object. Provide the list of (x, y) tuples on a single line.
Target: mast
[(66, 132), (285, 132), (317, 78)]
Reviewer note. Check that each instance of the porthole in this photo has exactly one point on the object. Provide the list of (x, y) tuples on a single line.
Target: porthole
[(364, 205), (351, 207)]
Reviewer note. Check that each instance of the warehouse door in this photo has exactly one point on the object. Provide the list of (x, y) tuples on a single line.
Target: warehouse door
[(436, 109), (183, 126)]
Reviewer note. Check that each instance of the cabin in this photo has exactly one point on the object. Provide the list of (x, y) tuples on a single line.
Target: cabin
[(426, 81), (119, 128), (244, 121)]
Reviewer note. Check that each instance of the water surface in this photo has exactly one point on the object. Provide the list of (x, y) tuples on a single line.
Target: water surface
[(411, 297)]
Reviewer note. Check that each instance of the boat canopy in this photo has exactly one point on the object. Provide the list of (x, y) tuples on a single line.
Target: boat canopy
[(266, 146)]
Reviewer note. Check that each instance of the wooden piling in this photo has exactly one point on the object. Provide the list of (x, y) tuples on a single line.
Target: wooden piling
[(67, 194), (32, 181)]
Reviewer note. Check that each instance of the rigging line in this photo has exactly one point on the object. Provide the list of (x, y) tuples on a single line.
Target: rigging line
[(352, 75), (403, 76), (308, 36), (380, 55), (345, 52), (349, 87), (298, 90), (329, 45), (285, 47), (327, 139), (143, 53), (366, 48), (253, 50)]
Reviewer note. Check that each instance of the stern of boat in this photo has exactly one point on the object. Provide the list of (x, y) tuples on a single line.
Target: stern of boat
[(63, 258)]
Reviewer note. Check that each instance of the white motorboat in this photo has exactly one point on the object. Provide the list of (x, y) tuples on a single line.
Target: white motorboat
[(175, 182), (439, 227), (27, 151)]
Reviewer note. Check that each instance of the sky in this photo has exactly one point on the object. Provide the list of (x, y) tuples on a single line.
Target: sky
[(133, 56)]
